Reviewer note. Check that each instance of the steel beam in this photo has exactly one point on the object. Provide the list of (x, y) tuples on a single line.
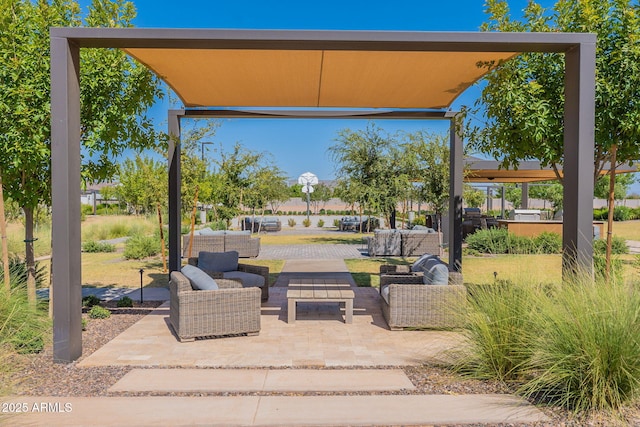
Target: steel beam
[(579, 135), (175, 179), (65, 195), (524, 197), (455, 197)]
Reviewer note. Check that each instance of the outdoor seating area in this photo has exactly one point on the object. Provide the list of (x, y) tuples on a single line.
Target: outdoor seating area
[(208, 240)]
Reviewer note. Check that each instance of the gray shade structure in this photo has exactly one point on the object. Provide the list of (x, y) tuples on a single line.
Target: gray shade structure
[(352, 69)]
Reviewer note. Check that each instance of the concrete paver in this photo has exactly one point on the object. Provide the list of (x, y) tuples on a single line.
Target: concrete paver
[(229, 411), (255, 380)]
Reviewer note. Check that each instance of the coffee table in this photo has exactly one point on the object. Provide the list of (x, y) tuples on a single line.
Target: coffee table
[(319, 290)]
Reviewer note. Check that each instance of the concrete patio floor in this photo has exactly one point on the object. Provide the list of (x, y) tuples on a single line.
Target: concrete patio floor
[(319, 337)]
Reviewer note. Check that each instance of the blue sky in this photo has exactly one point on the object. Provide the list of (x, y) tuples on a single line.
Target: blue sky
[(298, 146)]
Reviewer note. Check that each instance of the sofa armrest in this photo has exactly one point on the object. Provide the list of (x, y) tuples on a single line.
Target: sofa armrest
[(256, 269)]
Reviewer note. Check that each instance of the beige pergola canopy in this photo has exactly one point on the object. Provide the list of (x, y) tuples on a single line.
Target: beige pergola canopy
[(317, 78)]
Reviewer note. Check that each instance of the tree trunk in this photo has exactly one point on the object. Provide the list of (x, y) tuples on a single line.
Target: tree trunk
[(162, 244), (612, 187), (392, 219), (30, 260), (3, 237)]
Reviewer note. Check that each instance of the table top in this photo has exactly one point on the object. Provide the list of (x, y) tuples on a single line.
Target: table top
[(319, 289)]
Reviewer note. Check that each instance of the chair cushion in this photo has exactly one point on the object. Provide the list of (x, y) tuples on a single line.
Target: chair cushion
[(209, 232), (238, 233), (218, 261), (436, 272), (419, 264), (198, 278), (384, 293), (248, 279)]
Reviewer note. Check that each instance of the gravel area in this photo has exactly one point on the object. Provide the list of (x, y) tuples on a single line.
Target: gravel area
[(40, 376)]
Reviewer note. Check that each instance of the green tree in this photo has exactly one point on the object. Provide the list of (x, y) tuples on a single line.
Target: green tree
[(371, 170), (473, 197), (513, 195), (295, 191), (115, 93), (268, 184), (551, 191), (234, 174), (143, 184), (321, 195), (523, 101), (622, 185), (428, 161)]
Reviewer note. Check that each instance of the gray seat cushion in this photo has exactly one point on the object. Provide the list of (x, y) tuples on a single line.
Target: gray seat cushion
[(198, 278), (218, 261), (248, 279)]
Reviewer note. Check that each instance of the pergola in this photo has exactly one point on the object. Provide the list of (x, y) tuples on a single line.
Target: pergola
[(397, 71)]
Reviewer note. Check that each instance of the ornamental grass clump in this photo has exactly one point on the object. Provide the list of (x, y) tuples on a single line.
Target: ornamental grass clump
[(587, 352), (500, 328), (575, 344)]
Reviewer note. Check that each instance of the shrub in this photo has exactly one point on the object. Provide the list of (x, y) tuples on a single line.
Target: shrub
[(92, 246), (500, 241), (336, 223), (548, 243), (125, 301), (98, 312), (306, 222), (618, 246), (90, 300), (491, 241), (139, 247), (320, 223), (291, 222), (622, 213)]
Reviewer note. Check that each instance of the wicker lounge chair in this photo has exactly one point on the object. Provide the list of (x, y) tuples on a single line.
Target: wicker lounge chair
[(410, 303), (229, 310), (246, 268)]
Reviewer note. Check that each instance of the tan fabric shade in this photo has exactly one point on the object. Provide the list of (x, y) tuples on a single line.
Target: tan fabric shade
[(316, 78)]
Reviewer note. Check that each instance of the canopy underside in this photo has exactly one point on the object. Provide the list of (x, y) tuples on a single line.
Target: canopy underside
[(317, 78)]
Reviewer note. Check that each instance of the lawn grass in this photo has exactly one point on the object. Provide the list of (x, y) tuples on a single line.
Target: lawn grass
[(313, 239), (480, 269), (628, 230)]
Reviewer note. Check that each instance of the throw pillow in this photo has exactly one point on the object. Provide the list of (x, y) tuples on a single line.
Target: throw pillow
[(198, 278), (436, 273), (418, 265), (218, 261)]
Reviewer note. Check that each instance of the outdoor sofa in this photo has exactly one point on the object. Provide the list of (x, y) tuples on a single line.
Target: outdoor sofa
[(422, 299), (229, 310), (405, 243), (208, 240)]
